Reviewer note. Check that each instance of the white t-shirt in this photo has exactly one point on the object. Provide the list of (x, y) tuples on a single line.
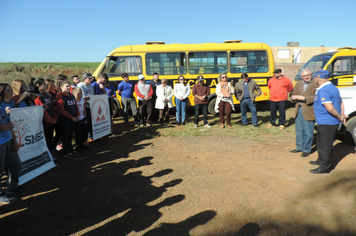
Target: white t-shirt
[(81, 106)]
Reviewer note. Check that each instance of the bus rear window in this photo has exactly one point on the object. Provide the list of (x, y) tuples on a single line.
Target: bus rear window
[(132, 65), (166, 63), (207, 62), (248, 62)]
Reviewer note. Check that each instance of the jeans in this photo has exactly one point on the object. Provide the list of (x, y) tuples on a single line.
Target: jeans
[(125, 102), (13, 163), (181, 107), (204, 108), (281, 107), (89, 123), (81, 132), (304, 132), (246, 102)]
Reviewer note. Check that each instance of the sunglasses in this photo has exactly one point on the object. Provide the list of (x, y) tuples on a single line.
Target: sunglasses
[(223, 77)]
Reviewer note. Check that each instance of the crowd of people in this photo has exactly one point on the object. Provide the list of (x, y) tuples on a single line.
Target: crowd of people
[(67, 111)]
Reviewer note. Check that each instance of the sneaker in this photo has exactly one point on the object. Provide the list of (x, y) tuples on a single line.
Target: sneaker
[(141, 125), (281, 127), (86, 143), (19, 189), (91, 140), (207, 126), (59, 147), (149, 125), (195, 126), (4, 199), (68, 155), (270, 125)]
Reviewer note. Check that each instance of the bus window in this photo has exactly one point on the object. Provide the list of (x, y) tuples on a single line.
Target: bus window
[(166, 63), (207, 62), (131, 65), (252, 62), (341, 66), (354, 65)]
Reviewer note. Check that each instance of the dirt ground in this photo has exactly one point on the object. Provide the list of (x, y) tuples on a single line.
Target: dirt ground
[(139, 181)]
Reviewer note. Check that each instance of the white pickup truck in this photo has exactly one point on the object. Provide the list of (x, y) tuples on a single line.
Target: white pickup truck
[(348, 95)]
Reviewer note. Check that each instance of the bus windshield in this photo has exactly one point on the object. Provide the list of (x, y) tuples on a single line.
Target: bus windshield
[(316, 63)]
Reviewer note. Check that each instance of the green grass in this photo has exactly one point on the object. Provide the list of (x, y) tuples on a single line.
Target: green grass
[(93, 65)]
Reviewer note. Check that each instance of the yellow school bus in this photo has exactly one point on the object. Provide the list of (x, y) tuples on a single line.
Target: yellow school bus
[(340, 63), (191, 60)]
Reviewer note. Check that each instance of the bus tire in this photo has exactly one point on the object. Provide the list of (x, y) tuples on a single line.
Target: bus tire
[(350, 131), (211, 106), (115, 110)]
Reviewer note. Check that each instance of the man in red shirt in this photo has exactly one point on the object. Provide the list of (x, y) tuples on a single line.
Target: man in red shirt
[(279, 86)]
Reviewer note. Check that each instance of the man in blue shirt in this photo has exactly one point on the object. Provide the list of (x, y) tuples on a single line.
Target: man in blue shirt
[(99, 86), (329, 112), (125, 90)]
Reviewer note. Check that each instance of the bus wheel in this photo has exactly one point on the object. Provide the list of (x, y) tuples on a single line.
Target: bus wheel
[(211, 106), (350, 131), (115, 110)]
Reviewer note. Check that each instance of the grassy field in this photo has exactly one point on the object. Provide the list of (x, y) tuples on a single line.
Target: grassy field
[(47, 70)]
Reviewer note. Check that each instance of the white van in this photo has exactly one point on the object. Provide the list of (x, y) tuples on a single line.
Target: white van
[(348, 95)]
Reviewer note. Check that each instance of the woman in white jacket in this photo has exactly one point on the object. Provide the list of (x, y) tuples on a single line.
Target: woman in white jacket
[(164, 100), (224, 102), (181, 93)]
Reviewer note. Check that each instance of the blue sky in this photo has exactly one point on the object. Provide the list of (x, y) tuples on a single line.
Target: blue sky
[(86, 31)]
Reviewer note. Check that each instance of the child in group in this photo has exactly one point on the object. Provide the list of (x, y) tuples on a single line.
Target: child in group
[(8, 151), (57, 140), (6, 95), (27, 98), (68, 116), (18, 87), (76, 81), (81, 131), (49, 115)]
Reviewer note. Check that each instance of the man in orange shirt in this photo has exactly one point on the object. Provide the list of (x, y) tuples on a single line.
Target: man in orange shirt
[(279, 86)]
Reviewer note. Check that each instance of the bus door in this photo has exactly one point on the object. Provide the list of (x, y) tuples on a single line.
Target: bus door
[(343, 71)]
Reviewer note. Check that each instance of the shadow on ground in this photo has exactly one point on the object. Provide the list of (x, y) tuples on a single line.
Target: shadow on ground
[(102, 194)]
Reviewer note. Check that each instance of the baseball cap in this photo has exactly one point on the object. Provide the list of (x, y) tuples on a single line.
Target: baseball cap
[(200, 78), (322, 74), (141, 77), (87, 75), (277, 71)]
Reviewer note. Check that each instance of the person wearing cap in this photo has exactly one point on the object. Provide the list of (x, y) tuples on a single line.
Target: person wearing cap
[(247, 90), (87, 91), (144, 94), (329, 112), (279, 87), (125, 90), (201, 92), (303, 95)]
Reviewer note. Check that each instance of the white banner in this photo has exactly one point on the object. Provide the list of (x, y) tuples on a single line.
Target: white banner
[(33, 152), (100, 115)]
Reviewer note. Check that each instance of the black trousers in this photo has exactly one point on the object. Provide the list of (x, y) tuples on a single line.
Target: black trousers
[(145, 108), (68, 127), (204, 108), (58, 137), (281, 107), (324, 143), (48, 133), (89, 124), (81, 133)]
